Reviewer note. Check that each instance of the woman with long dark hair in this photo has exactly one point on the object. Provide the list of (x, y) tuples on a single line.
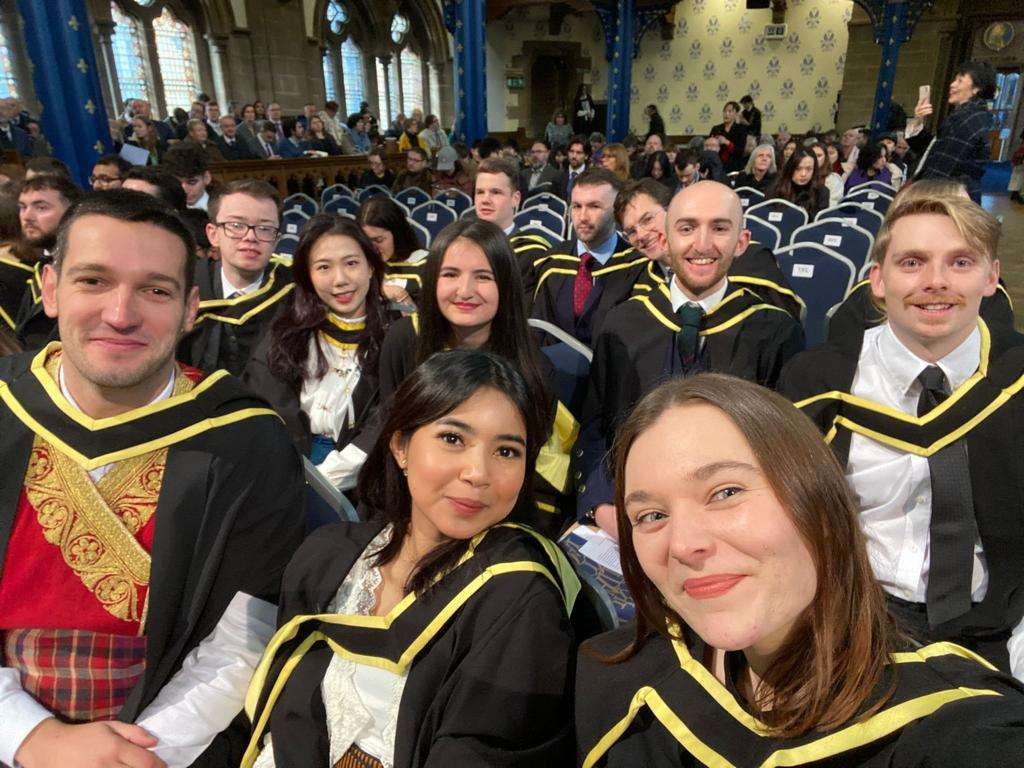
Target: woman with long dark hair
[(659, 168), (470, 283), (318, 365), (435, 633), (762, 636), (386, 226), (832, 181), (871, 166), (799, 183), (319, 139)]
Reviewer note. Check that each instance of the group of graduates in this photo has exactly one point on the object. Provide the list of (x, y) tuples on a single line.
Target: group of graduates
[(833, 583)]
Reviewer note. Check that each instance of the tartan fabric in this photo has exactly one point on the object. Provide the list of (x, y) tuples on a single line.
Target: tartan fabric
[(354, 757), (79, 676), (961, 149)]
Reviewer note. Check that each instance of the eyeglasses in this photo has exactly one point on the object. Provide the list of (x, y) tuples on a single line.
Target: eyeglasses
[(236, 230), (647, 221), (104, 179)]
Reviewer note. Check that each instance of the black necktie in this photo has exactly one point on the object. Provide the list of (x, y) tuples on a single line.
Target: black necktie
[(688, 338), (952, 530)]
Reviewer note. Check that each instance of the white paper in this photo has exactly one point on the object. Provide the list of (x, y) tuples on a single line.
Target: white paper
[(603, 551), (134, 155), (431, 217), (803, 270), (833, 240), (774, 215)]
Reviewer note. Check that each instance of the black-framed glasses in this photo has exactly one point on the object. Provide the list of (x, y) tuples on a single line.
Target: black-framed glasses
[(236, 230), (104, 179)]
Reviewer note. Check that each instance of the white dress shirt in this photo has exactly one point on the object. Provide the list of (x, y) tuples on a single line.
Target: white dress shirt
[(327, 402), (892, 487), (197, 703), (202, 203), (227, 288), (708, 303)]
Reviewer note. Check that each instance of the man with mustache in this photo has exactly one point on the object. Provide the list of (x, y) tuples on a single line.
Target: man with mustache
[(922, 412), (701, 319)]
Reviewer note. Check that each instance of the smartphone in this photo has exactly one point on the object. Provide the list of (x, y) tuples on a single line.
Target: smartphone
[(924, 93)]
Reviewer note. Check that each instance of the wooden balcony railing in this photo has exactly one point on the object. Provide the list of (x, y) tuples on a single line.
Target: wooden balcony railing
[(306, 174)]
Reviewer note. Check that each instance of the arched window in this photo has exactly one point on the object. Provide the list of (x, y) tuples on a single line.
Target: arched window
[(412, 81), (399, 28), (176, 52), (337, 16), (330, 90), (353, 75), (8, 82), (129, 47)]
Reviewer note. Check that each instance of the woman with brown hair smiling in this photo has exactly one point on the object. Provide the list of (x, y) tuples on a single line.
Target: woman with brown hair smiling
[(762, 638)]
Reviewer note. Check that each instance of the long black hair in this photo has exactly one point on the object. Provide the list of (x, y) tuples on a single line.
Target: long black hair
[(289, 343), (434, 389), (510, 335), (383, 212), (786, 189)]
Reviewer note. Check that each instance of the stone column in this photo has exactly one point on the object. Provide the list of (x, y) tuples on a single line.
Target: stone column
[(111, 87), (219, 68)]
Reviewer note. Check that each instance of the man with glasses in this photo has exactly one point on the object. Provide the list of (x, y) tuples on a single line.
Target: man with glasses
[(239, 294), (540, 171), (109, 172), (416, 173)]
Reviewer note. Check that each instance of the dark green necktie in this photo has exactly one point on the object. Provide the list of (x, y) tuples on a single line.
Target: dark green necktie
[(688, 339), (952, 530)]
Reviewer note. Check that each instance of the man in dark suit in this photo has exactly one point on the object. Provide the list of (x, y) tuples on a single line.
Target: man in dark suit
[(230, 143), (11, 135), (540, 171)]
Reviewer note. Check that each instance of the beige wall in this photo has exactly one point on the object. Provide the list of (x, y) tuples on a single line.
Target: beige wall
[(718, 54)]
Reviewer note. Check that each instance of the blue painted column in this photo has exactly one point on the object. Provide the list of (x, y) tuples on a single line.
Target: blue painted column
[(892, 31), (66, 81), (619, 21), (466, 20)]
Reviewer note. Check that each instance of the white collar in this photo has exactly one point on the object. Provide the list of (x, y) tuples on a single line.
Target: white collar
[(227, 288), (202, 202), (903, 367), (707, 303), (162, 395)]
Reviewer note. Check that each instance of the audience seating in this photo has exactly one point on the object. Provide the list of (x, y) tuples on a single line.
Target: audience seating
[(570, 359), (546, 200), (762, 232), (302, 201), (293, 220), (469, 213), (863, 216), (786, 216), (345, 205), (421, 232), (333, 191), (877, 186), (870, 197), (850, 240), (374, 189), (286, 245), (821, 278), (411, 197), (540, 189), (455, 199), (434, 216), (541, 231), (749, 196), (543, 217)]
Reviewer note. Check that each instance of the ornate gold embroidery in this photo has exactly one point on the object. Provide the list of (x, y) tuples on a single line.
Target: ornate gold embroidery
[(95, 524)]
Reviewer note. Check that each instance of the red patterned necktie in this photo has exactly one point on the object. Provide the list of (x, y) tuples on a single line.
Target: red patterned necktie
[(583, 284)]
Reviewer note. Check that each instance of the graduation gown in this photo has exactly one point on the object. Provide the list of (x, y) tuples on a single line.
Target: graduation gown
[(227, 516), (14, 277), (986, 411), (662, 708), (33, 327), (487, 652), (530, 249), (411, 272), (228, 330), (858, 312), (552, 483), (613, 284), (285, 398), (636, 350)]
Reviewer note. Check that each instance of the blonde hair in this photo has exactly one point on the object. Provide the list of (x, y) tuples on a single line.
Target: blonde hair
[(976, 225)]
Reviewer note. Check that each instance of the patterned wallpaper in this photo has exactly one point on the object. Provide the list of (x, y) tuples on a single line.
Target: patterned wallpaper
[(719, 54)]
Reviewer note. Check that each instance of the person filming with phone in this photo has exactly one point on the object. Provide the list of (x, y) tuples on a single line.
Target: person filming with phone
[(961, 147)]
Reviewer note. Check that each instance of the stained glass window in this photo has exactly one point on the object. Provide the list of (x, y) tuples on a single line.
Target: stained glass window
[(8, 83), (336, 16), (399, 26), (330, 90), (412, 81), (176, 51), (353, 75), (128, 43)]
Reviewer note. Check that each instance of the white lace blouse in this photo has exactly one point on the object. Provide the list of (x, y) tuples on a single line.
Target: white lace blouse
[(327, 402), (361, 701)]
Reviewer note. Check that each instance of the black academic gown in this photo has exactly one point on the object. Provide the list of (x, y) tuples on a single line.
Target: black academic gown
[(858, 312), (662, 709), (613, 284), (33, 327), (228, 330), (987, 411), (530, 249), (489, 684), (228, 517), (636, 350), (14, 278), (552, 483)]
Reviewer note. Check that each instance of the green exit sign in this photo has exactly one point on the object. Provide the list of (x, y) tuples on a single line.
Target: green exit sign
[(515, 83)]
